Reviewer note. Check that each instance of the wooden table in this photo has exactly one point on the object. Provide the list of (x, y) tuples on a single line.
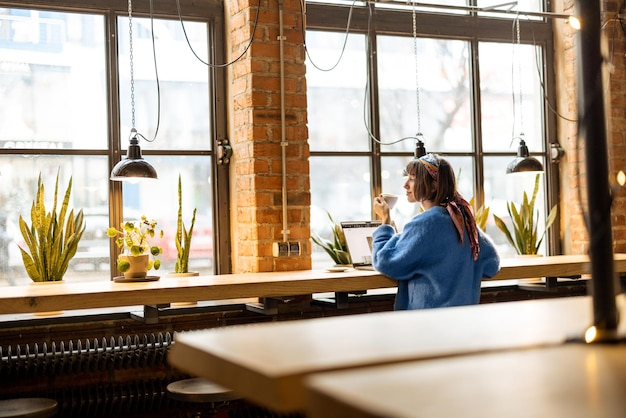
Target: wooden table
[(570, 380), (268, 363), (102, 294)]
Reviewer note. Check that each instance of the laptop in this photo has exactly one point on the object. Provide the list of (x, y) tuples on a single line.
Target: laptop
[(359, 240)]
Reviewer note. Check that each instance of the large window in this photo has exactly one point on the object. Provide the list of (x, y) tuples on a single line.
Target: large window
[(392, 74), (66, 106)]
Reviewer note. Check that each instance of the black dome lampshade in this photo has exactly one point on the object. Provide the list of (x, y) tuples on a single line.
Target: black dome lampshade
[(133, 167), (523, 162)]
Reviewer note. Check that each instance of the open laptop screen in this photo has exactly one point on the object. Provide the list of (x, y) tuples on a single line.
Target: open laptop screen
[(359, 239)]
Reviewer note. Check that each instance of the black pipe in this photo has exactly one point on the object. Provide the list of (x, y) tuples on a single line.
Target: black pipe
[(592, 131)]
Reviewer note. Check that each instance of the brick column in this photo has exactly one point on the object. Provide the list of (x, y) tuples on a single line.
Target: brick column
[(575, 239), (256, 135)]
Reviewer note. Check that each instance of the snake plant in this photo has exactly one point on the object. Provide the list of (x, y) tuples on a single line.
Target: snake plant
[(183, 236), (527, 240), (52, 238), (337, 249), (481, 214)]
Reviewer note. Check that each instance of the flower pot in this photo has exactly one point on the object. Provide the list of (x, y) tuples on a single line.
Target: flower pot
[(47, 313), (183, 276), (138, 266)]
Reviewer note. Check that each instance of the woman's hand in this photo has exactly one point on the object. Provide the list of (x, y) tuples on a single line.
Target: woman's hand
[(381, 208)]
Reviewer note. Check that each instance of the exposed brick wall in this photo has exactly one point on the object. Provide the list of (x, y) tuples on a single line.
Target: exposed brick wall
[(616, 110), (256, 135), (573, 190)]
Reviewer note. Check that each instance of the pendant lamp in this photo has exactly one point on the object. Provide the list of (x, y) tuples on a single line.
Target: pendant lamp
[(523, 162), (133, 167)]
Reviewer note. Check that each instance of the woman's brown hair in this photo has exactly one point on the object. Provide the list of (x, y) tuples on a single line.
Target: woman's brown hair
[(440, 190)]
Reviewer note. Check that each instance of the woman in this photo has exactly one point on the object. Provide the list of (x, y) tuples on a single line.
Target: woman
[(441, 256)]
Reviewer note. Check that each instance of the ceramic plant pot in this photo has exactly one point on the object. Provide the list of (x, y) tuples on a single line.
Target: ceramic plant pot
[(138, 266), (47, 313)]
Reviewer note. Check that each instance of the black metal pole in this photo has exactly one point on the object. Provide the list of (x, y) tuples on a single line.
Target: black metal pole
[(592, 131)]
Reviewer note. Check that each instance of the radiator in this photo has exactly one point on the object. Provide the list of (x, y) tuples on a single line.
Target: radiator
[(79, 356), (113, 377)]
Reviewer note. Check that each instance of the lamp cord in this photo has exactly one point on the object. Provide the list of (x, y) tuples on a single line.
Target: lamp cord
[(182, 24), (132, 67), (133, 131), (345, 39), (417, 80), (517, 102)]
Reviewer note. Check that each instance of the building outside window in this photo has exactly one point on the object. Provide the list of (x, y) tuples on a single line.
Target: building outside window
[(65, 106), (373, 86)]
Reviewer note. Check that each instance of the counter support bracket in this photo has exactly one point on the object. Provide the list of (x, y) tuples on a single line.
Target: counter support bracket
[(150, 314)]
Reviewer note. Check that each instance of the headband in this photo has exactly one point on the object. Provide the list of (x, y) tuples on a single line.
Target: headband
[(431, 163)]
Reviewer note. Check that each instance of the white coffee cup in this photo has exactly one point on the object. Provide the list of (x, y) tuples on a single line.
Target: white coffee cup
[(391, 199)]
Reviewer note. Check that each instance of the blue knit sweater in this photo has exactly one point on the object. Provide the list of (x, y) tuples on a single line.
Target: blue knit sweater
[(431, 266)]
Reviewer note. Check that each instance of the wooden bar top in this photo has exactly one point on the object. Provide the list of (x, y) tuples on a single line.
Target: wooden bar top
[(105, 293), (552, 266), (269, 362), (571, 380)]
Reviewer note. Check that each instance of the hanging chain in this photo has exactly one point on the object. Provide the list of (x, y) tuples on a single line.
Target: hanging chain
[(417, 81), (519, 76), (132, 69)]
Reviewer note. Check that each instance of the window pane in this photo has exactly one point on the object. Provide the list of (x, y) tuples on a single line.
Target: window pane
[(52, 80), (341, 186), (336, 108), (89, 193), (159, 200), (441, 80), (183, 81), (500, 189), (393, 182), (503, 117)]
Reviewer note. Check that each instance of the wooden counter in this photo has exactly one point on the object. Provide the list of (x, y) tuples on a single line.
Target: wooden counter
[(102, 294), (269, 363), (552, 266)]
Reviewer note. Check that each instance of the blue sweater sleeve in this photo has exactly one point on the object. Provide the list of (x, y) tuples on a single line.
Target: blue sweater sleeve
[(403, 256)]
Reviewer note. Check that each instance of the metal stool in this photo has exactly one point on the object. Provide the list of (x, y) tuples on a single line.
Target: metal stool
[(198, 390), (28, 408)]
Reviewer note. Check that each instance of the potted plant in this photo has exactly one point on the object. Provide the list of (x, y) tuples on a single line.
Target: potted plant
[(481, 214), (183, 237), (525, 237), (139, 254), (337, 249), (52, 237)]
